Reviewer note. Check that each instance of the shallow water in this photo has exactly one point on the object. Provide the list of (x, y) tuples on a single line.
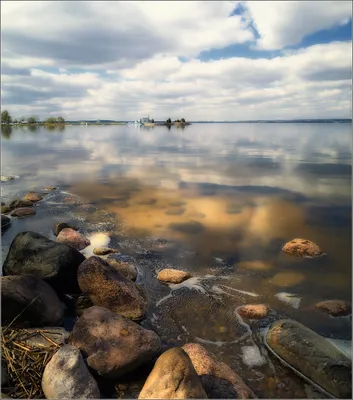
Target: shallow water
[(224, 198)]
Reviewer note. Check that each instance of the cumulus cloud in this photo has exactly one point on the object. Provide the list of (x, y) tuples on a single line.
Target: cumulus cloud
[(121, 60)]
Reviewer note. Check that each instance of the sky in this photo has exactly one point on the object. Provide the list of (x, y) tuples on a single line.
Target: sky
[(214, 60)]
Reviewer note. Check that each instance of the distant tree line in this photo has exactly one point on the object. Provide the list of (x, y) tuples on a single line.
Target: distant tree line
[(178, 121), (6, 118)]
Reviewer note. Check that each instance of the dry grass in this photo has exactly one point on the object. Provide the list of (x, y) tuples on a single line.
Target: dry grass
[(25, 363)]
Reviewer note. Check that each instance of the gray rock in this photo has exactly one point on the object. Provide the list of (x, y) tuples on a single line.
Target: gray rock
[(5, 222), (218, 380), (114, 344), (20, 203), (311, 355), (23, 212), (173, 377), (31, 300), (66, 376), (107, 288), (55, 263)]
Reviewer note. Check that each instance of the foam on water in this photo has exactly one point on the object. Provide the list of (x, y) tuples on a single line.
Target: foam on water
[(97, 239), (252, 357), (289, 298)]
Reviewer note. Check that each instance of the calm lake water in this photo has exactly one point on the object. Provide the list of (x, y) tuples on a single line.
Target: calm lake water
[(224, 198)]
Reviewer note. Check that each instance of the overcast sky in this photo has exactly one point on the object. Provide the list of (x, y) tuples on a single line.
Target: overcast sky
[(222, 60)]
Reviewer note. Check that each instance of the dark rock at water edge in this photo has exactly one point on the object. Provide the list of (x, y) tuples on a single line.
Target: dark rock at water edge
[(5, 209), (66, 376), (5, 222), (173, 377), (62, 225), (311, 355), (114, 345), (56, 263), (218, 380), (30, 300), (106, 287), (23, 212), (20, 203)]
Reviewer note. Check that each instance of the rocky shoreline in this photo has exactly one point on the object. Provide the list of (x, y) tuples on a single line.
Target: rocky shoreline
[(46, 281)]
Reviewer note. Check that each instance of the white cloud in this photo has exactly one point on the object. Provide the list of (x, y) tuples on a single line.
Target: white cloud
[(285, 23)]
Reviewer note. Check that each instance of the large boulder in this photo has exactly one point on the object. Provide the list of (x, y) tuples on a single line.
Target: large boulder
[(30, 300), (56, 263), (73, 238), (311, 355), (302, 248), (106, 287), (218, 380), (66, 376), (173, 377), (114, 345), (169, 275), (335, 308)]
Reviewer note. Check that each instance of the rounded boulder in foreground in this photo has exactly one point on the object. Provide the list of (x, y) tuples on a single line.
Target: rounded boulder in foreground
[(114, 345), (254, 311), (173, 276), (336, 308), (311, 355), (302, 248), (66, 376), (173, 377)]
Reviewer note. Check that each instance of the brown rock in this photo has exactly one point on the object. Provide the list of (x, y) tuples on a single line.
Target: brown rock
[(102, 251), (23, 212), (253, 311), (73, 238), (173, 377), (66, 376), (335, 308), (172, 276), (302, 248), (218, 380), (20, 203), (129, 271), (62, 225), (107, 288), (114, 345), (33, 196), (49, 188)]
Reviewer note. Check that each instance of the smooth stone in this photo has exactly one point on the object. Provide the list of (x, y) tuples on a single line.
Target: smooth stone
[(5, 209), (33, 196), (20, 203), (103, 251), (114, 345), (55, 263), (254, 311), (62, 225), (172, 276), (73, 238), (66, 376), (173, 377), (5, 222), (312, 355), (57, 335), (23, 212), (302, 248), (49, 188), (218, 380), (126, 269), (31, 300), (106, 287), (336, 308)]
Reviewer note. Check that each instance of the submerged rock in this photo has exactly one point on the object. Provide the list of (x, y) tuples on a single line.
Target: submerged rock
[(218, 380), (20, 203), (23, 212), (106, 287), (336, 308), (33, 196), (302, 248), (103, 251), (126, 269), (55, 263), (114, 345), (173, 377), (73, 238), (66, 376), (5, 222), (311, 355), (172, 276), (30, 300), (254, 311)]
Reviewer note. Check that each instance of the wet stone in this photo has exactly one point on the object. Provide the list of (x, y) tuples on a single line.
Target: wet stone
[(23, 212), (102, 251), (33, 196), (302, 248), (20, 203), (254, 311), (172, 276), (335, 308)]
